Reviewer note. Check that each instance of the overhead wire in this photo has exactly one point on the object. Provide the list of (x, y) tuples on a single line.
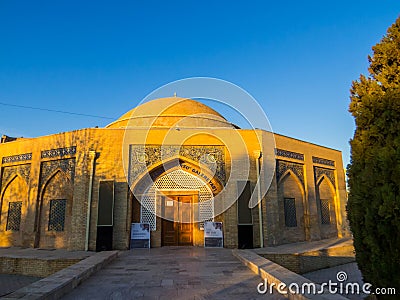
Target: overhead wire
[(55, 110)]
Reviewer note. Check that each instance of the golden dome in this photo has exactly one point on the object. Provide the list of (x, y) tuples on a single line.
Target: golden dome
[(173, 111)]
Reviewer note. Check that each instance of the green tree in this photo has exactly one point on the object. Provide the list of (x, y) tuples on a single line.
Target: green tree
[(374, 171)]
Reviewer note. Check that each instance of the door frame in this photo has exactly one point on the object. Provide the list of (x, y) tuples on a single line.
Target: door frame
[(177, 193)]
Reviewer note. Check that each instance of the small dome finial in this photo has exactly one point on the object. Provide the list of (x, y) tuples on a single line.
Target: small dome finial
[(175, 94)]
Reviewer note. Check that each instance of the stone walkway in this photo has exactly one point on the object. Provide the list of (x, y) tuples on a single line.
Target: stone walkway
[(172, 273), (351, 270), (10, 283)]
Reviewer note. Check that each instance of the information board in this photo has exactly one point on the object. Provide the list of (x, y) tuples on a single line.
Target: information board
[(213, 235), (140, 235)]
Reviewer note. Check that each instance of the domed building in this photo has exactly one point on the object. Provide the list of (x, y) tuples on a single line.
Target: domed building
[(171, 165), (168, 112)]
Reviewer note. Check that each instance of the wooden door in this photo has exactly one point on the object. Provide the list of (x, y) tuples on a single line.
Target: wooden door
[(177, 233), (185, 231)]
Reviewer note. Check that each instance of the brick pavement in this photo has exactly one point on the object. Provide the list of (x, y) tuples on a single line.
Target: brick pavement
[(172, 273)]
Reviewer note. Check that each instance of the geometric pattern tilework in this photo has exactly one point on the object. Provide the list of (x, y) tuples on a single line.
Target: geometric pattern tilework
[(17, 158), (290, 212), (206, 207), (57, 215), (14, 216), (141, 157), (330, 174), (49, 167), (148, 206), (181, 180), (289, 154), (325, 211), (323, 161), (59, 152), (11, 171), (283, 166)]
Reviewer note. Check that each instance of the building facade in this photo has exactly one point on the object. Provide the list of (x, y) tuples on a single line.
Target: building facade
[(173, 163)]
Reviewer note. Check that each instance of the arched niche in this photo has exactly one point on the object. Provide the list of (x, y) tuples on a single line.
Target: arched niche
[(176, 176), (292, 213), (326, 199), (55, 211), (14, 200)]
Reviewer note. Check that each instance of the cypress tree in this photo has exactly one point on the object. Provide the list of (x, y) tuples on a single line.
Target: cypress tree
[(374, 170)]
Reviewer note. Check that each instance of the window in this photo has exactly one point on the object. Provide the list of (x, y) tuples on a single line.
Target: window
[(14, 216), (325, 211), (290, 212), (57, 215)]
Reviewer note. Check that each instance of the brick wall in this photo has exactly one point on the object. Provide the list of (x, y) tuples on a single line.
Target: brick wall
[(34, 267)]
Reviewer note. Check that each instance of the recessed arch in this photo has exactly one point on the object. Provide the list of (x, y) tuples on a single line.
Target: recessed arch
[(329, 182), (51, 177), (158, 169), (171, 181), (327, 207), (55, 204), (10, 181), (292, 208), (13, 200), (295, 177)]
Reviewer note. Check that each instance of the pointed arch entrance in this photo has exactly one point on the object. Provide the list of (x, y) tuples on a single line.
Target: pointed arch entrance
[(176, 202)]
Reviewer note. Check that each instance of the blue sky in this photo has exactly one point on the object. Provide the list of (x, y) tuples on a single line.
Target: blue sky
[(297, 58)]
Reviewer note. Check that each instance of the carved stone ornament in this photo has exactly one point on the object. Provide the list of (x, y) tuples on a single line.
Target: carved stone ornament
[(323, 161), (283, 166), (49, 167), (289, 154), (17, 158), (330, 174), (142, 157), (59, 152), (10, 171)]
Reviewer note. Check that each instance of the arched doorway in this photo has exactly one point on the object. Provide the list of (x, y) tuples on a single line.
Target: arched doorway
[(175, 204)]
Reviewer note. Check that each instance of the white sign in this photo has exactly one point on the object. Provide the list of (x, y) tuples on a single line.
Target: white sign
[(140, 235), (213, 234)]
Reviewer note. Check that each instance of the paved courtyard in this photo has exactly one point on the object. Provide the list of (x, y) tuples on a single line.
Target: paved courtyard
[(352, 272), (10, 283), (172, 273)]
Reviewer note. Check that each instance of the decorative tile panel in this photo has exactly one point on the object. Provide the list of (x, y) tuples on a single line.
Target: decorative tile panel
[(11, 171), (141, 157), (17, 158), (283, 166), (289, 154), (323, 161), (329, 173), (49, 167), (59, 152)]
